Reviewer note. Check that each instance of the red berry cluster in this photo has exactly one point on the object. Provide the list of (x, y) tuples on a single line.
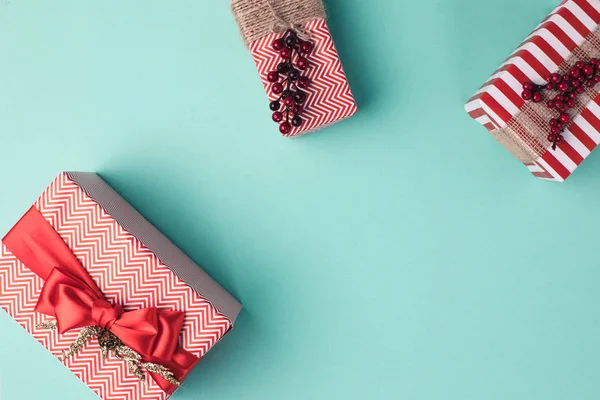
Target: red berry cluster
[(288, 80), (569, 87)]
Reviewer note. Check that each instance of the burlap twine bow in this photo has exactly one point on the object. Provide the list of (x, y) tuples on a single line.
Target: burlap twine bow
[(258, 18), (525, 135)]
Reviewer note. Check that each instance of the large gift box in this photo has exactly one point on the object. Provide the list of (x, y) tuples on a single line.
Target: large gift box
[(320, 94), (519, 105), (97, 285)]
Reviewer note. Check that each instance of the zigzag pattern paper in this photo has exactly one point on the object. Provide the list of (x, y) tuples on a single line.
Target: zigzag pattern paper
[(329, 97), (127, 273)]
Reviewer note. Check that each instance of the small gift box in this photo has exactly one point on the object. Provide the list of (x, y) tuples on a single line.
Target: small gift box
[(542, 104), (96, 284), (297, 61)]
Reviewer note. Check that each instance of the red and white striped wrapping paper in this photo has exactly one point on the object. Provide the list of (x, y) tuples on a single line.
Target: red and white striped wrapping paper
[(541, 54), (127, 273), (329, 97)]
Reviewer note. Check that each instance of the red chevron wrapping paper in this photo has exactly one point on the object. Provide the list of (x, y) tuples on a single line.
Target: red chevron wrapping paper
[(329, 97), (127, 273), (551, 43)]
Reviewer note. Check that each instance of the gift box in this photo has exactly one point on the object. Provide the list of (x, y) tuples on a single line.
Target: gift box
[(518, 104), (97, 285), (321, 91)]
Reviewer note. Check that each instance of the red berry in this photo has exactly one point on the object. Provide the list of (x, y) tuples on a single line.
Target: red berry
[(277, 116), (303, 63), (528, 86), (297, 109), (537, 97), (572, 95), (560, 139), (289, 101), (549, 86), (588, 70), (527, 95), (597, 79), (291, 40), (300, 97), (555, 78), (553, 122), (273, 76), (294, 74), (563, 86), (580, 90), (590, 83), (561, 126), (594, 61), (565, 118), (285, 128), (575, 72), (559, 105), (576, 83), (274, 105), (552, 137), (278, 44), (550, 104), (297, 121), (303, 82), (277, 88), (566, 77), (559, 97), (285, 53), (306, 47), (579, 64), (555, 130), (571, 103)]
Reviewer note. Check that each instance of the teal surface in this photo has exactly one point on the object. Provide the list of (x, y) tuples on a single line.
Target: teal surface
[(401, 254)]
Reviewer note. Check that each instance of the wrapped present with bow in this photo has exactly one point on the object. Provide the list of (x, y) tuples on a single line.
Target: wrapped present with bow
[(97, 285), (297, 62), (543, 103)]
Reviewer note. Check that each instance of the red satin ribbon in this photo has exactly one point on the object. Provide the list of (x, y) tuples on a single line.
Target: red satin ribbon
[(73, 299)]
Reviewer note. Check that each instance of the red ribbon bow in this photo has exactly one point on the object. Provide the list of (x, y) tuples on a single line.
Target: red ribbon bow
[(72, 297)]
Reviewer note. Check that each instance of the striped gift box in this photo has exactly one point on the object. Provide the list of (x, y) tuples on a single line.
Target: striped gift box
[(540, 55)]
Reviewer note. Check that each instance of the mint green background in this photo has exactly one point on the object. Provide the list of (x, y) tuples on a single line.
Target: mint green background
[(401, 254)]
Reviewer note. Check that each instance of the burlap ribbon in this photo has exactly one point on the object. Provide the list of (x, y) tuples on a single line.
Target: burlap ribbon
[(526, 134), (258, 18)]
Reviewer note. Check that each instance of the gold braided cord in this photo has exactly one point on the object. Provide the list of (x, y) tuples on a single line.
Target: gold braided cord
[(109, 343)]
